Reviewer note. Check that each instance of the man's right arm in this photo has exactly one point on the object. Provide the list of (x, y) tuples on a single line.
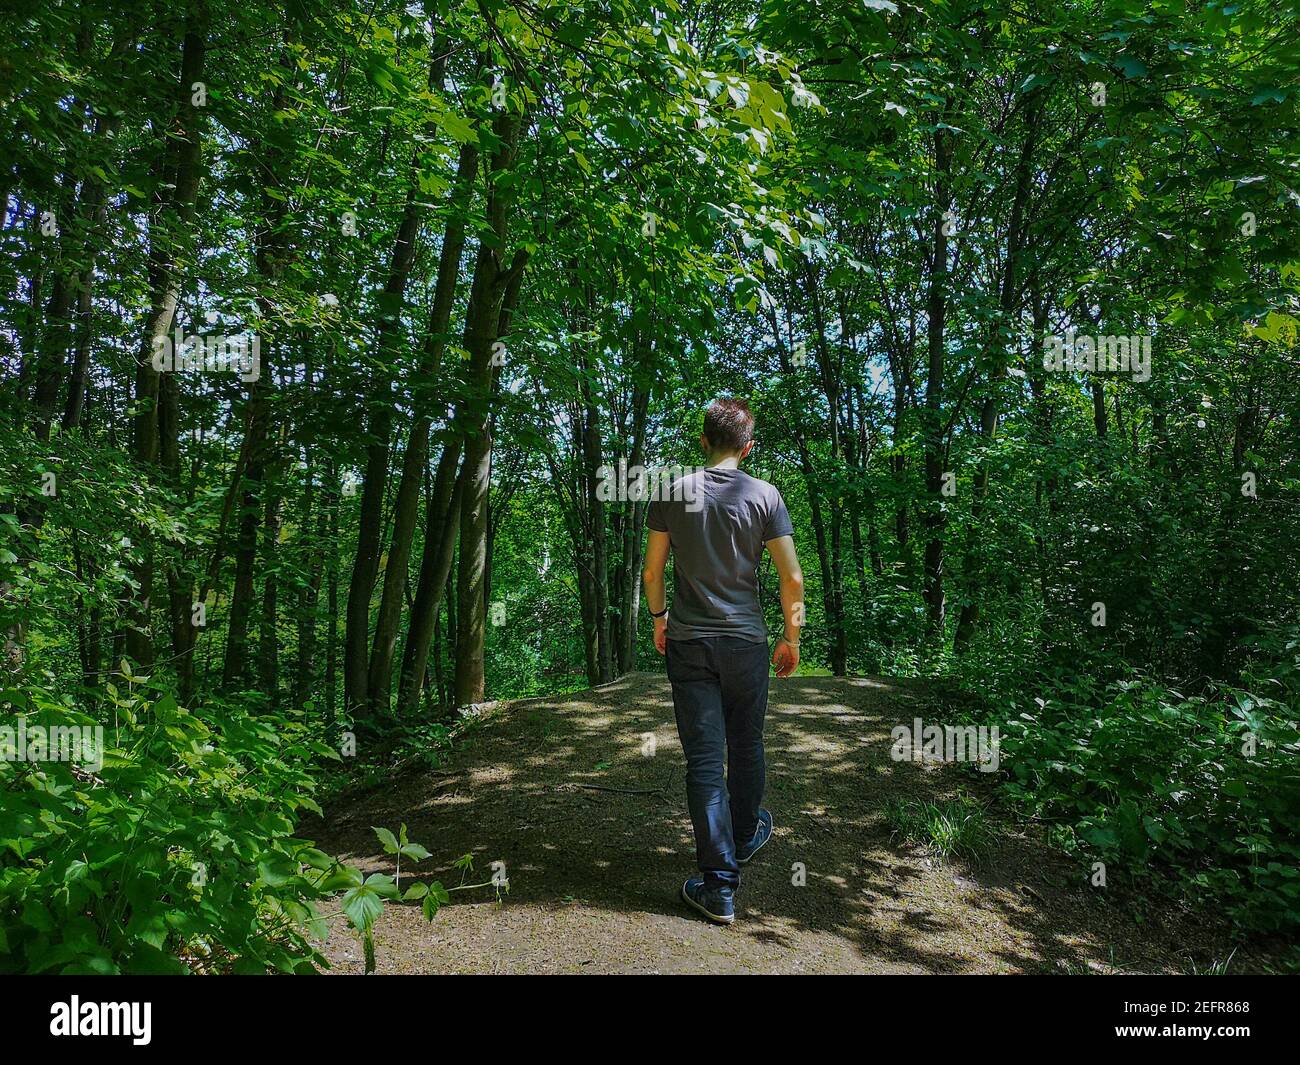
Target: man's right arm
[(786, 656), (652, 574)]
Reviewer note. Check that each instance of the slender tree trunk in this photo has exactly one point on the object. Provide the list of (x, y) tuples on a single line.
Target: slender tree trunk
[(169, 230), (936, 312), (439, 682), (180, 590), (73, 217), (365, 567), (268, 651), (237, 669), (812, 483), (85, 321), (316, 516), (596, 565), (1041, 428), (831, 387), (487, 296), (272, 248), (332, 596), (633, 527), (415, 460), (442, 524), (997, 357)]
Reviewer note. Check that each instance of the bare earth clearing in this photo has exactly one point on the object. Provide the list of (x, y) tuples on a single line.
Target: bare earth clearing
[(595, 871)]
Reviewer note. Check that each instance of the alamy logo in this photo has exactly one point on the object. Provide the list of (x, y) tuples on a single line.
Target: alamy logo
[(946, 743), (103, 1018), (636, 484), (239, 354), (83, 744), (1098, 354)]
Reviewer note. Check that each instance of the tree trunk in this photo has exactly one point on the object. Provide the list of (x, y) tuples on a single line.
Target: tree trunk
[(483, 320), (1008, 301), (365, 568), (831, 385), (442, 523), (180, 591), (414, 462), (633, 527), (309, 589), (268, 651), (936, 311), (169, 230), (596, 565), (332, 595)]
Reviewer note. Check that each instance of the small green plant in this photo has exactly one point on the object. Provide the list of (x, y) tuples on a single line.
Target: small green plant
[(400, 846), (363, 901), (952, 828)]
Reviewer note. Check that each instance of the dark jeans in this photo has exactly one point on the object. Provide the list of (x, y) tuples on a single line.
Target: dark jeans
[(720, 699)]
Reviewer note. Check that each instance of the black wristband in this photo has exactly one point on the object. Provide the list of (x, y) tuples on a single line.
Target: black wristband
[(660, 614)]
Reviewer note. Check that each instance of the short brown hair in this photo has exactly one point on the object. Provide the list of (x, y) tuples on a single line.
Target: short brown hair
[(728, 424)]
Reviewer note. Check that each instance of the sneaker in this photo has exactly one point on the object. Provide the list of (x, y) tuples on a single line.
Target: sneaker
[(716, 904), (761, 835)]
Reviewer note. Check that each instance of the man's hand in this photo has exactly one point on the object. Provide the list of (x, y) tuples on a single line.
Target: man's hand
[(785, 658), (661, 634)]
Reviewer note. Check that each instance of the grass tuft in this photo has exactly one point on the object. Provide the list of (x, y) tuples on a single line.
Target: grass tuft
[(951, 828)]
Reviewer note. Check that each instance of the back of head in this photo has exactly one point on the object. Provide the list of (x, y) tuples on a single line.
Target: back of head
[(728, 425)]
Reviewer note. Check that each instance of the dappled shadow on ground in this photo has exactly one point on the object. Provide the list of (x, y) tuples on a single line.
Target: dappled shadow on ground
[(583, 800)]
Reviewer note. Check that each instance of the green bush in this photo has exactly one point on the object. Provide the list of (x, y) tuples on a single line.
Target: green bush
[(1202, 790), (177, 853)]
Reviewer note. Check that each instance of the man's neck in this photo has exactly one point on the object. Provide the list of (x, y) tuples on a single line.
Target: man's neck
[(724, 462)]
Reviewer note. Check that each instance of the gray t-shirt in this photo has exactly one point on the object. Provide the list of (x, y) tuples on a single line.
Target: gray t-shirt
[(717, 521)]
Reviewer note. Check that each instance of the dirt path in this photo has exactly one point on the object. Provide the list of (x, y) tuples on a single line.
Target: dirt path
[(595, 874)]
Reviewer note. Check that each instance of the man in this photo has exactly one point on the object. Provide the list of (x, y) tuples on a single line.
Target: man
[(716, 523)]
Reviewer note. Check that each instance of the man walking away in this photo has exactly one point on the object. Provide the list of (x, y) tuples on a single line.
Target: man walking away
[(716, 522)]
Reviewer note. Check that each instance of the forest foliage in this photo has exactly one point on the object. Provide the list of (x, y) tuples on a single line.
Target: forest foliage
[(325, 331)]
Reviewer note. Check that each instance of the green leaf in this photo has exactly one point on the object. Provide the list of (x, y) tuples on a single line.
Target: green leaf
[(340, 876), (362, 905), (1036, 81), (382, 884), (387, 839), (316, 859), (277, 870)]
